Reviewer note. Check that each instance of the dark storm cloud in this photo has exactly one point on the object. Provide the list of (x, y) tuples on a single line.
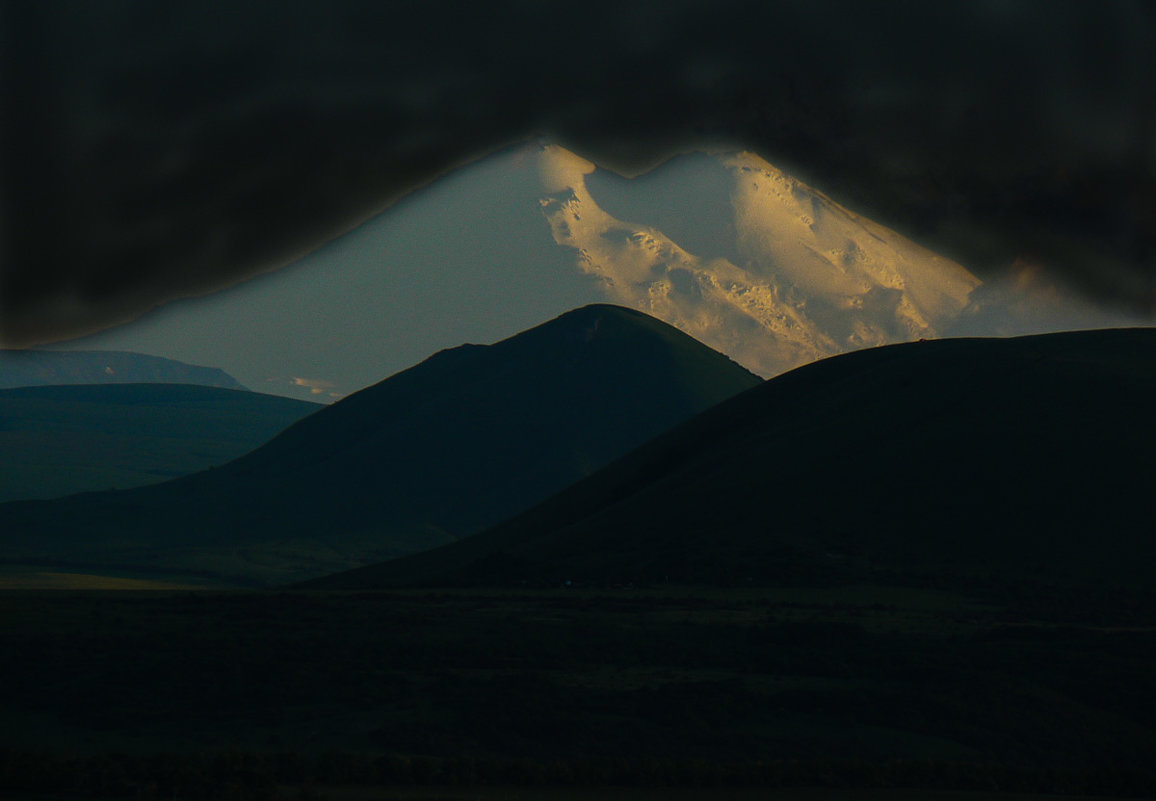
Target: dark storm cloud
[(154, 150)]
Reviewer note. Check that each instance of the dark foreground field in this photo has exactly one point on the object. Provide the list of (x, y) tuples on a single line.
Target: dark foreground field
[(560, 691), (620, 793)]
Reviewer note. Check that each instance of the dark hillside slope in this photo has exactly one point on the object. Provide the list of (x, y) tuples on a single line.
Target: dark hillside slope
[(34, 368), (463, 440), (57, 440), (1016, 459)]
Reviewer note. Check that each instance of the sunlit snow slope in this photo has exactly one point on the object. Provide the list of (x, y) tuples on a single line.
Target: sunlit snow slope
[(785, 277)]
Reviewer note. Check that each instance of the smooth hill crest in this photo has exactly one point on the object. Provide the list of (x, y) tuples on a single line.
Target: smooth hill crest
[(1009, 460), (459, 442)]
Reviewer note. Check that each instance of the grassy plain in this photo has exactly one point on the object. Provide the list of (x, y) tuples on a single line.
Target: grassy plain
[(668, 794), (186, 694)]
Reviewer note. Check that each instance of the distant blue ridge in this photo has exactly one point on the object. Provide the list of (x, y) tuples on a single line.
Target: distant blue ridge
[(25, 368)]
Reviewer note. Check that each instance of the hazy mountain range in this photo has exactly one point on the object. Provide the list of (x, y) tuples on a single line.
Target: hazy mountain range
[(31, 368), (459, 442), (727, 248), (961, 457)]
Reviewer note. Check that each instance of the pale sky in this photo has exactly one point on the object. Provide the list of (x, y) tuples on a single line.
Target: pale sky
[(472, 258), (468, 259)]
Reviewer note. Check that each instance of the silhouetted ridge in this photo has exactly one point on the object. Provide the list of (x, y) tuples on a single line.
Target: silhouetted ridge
[(458, 442), (1021, 459)]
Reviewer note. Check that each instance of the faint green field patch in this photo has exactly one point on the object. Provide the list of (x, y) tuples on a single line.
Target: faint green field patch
[(21, 578)]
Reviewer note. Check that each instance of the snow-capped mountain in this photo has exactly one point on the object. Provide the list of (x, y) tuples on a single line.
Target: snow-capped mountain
[(722, 245), (775, 274)]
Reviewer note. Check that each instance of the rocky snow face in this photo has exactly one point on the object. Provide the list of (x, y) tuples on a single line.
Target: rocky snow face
[(774, 274)]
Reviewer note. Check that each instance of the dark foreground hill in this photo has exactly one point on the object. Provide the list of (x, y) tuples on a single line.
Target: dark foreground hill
[(460, 442), (34, 368), (1017, 460), (57, 440)]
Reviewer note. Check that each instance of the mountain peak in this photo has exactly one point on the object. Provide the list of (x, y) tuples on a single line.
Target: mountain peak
[(559, 169)]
